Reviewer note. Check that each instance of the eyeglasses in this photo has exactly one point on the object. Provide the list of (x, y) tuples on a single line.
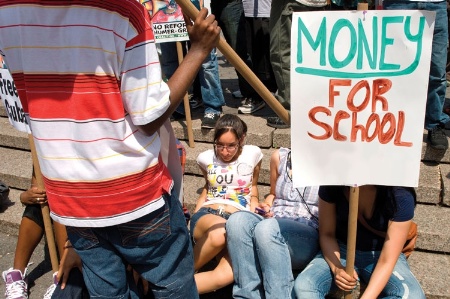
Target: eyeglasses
[(230, 147)]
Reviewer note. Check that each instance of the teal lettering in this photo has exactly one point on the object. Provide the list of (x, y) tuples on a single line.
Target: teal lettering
[(385, 41), (320, 39), (362, 49), (363, 45), (340, 24)]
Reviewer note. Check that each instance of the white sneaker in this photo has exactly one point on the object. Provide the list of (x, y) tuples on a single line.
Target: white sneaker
[(251, 106), (51, 289), (16, 286)]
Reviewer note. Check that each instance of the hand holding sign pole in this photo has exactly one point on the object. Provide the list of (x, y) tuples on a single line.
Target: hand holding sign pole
[(190, 10)]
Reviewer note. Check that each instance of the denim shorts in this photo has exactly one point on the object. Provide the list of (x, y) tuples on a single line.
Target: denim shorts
[(156, 245), (34, 213), (205, 211)]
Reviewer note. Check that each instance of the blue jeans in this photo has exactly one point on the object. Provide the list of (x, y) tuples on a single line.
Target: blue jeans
[(261, 251), (231, 19), (437, 83), (317, 280), (156, 245), (211, 88)]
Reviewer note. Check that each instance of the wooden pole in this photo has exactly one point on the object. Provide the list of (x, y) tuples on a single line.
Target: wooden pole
[(187, 108), (351, 233), (44, 208), (190, 10), (352, 215)]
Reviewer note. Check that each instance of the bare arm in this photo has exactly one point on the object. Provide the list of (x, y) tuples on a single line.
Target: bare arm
[(204, 35), (330, 247), (254, 201), (268, 202), (395, 239)]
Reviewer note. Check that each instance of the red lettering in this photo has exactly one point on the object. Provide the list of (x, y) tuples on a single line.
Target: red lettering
[(351, 95), (340, 115), (312, 116), (372, 118), (379, 87), (386, 136), (333, 93), (398, 133), (356, 127)]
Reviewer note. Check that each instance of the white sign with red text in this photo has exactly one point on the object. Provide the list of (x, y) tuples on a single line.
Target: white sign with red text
[(358, 92)]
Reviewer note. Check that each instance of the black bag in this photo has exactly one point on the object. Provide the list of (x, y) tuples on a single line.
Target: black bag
[(4, 193)]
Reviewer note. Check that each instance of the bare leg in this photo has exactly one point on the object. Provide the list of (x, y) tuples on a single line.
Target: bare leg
[(218, 278), (210, 238), (30, 234)]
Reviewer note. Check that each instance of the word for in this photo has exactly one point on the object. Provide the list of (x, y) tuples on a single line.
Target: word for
[(360, 52), (383, 128)]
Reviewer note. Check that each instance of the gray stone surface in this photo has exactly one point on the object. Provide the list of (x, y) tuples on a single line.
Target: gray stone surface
[(11, 137), (434, 227), (445, 173), (429, 190), (15, 167), (433, 272), (281, 138)]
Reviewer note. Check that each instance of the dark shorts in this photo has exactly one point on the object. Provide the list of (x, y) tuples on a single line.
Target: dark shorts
[(34, 213), (205, 211)]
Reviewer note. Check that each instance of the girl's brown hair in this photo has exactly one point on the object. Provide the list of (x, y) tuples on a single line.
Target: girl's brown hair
[(230, 123)]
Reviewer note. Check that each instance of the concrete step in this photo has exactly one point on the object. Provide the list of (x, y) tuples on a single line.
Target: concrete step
[(434, 184), (434, 227)]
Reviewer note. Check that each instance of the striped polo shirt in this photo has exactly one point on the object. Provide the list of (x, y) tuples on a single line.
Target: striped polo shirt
[(88, 74)]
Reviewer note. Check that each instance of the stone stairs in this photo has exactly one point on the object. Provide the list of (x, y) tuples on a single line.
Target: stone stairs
[(430, 262)]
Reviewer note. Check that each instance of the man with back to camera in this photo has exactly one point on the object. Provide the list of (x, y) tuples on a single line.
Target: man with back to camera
[(89, 77)]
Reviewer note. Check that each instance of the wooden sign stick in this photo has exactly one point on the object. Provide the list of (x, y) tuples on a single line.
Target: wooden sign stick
[(190, 10), (352, 215), (351, 233), (44, 208), (187, 108)]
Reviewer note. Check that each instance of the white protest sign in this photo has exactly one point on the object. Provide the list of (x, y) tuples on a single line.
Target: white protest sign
[(167, 19), (358, 92), (11, 101)]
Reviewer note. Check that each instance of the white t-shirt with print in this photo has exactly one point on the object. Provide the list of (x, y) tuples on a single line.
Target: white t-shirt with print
[(230, 183)]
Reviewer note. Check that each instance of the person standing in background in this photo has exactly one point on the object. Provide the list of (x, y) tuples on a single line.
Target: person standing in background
[(435, 118), (280, 48), (231, 18), (258, 46)]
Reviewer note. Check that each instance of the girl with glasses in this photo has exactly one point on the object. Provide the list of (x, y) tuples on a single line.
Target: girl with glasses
[(231, 171)]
